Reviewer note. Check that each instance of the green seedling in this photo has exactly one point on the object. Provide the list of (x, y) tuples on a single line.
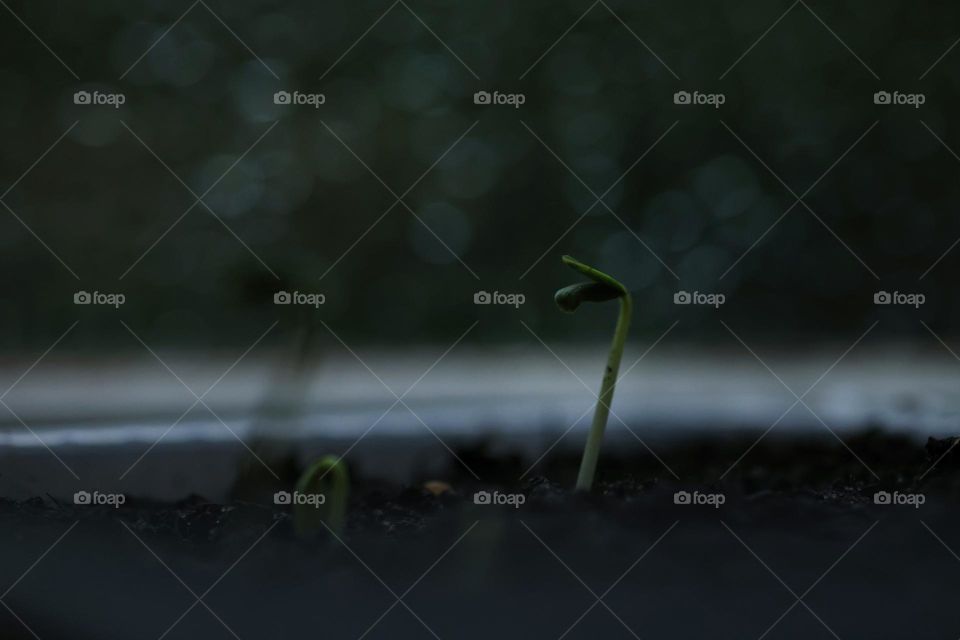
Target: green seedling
[(327, 476), (600, 289)]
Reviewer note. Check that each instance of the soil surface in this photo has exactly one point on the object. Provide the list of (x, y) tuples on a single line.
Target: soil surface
[(796, 540)]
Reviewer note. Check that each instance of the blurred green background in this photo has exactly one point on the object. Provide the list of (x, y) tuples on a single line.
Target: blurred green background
[(399, 98)]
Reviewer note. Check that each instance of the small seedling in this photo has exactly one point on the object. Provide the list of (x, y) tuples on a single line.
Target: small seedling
[(600, 289), (327, 476)]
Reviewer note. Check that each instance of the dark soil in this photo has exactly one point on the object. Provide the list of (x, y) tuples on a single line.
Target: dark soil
[(797, 516)]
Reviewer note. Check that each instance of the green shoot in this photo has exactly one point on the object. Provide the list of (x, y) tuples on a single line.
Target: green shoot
[(328, 473), (601, 288)]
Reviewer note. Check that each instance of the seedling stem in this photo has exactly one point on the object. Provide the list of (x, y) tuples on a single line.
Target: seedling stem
[(307, 519), (602, 288)]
